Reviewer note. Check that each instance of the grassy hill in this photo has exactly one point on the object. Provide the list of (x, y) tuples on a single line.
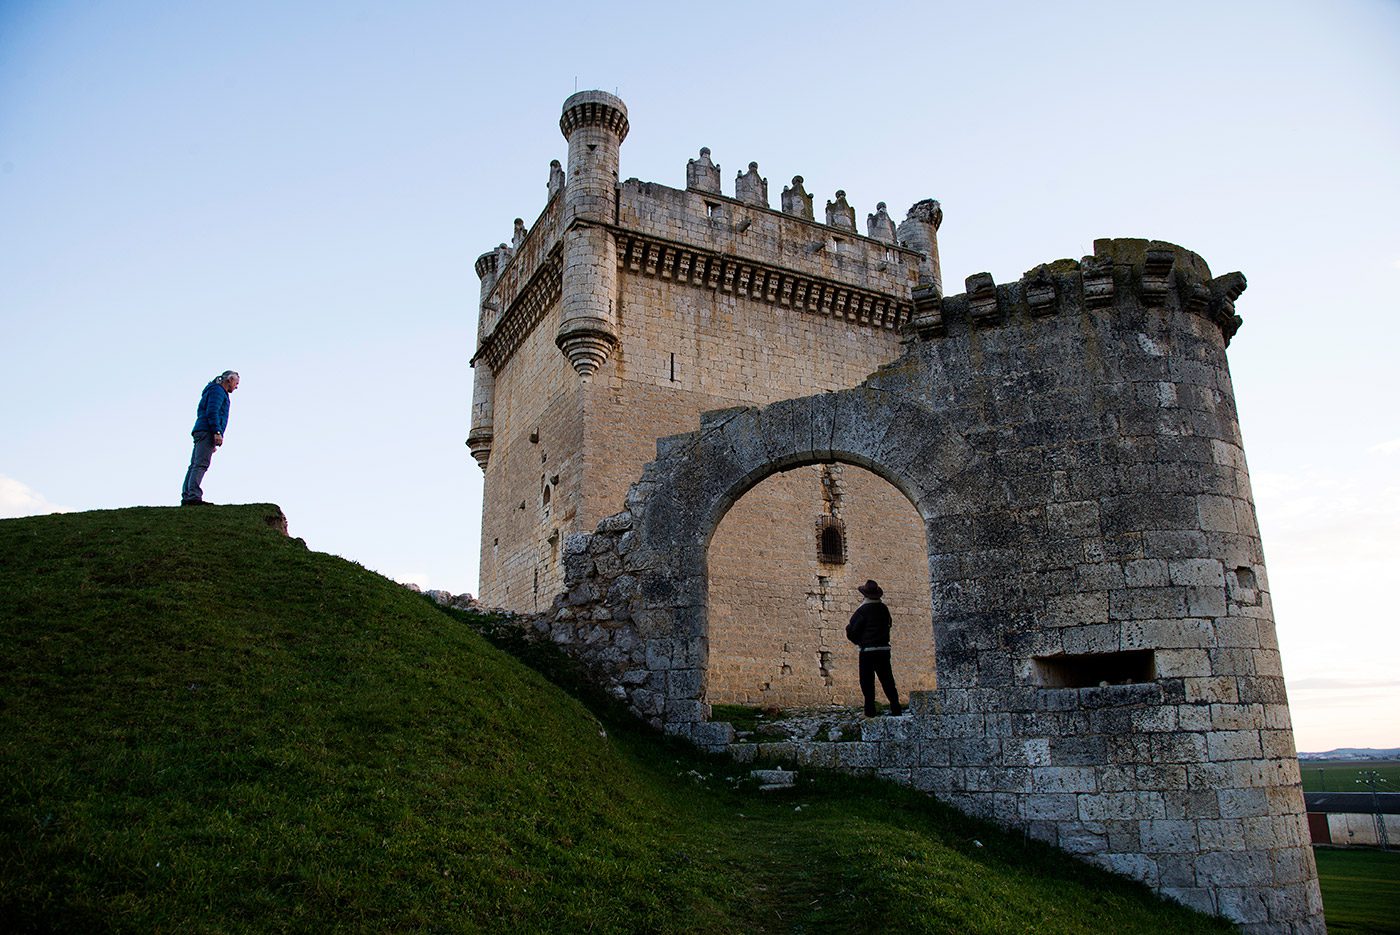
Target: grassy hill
[(206, 727)]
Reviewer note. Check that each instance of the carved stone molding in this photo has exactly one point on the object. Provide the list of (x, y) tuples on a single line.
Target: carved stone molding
[(525, 312), (652, 257)]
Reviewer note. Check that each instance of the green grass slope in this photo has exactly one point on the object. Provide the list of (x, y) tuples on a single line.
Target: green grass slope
[(206, 727), (1361, 888)]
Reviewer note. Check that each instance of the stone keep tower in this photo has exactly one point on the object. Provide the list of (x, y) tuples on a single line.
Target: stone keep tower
[(628, 309)]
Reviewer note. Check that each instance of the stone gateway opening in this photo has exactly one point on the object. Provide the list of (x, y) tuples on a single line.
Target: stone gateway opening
[(778, 607)]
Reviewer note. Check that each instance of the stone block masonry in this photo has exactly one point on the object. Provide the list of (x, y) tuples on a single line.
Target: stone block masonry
[(761, 650), (626, 310), (687, 403), (1107, 674)]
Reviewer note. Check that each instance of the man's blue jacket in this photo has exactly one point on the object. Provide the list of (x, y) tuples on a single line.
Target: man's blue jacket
[(212, 415)]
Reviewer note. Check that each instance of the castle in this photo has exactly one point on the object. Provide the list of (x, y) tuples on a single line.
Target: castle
[(702, 420), (627, 310)]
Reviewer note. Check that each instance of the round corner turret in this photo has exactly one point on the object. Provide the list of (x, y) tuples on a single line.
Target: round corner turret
[(486, 266), (919, 231), (594, 109), (595, 124)]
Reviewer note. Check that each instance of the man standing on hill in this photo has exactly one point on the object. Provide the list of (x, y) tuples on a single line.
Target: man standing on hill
[(870, 630), (209, 423)]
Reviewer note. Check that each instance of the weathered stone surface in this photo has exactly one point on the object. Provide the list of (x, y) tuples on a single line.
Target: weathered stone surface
[(702, 174), (1107, 669)]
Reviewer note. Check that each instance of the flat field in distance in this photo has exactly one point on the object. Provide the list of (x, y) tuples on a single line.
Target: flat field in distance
[(1341, 775)]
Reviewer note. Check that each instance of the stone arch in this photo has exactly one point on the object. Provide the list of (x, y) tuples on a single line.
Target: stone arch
[(697, 477), (780, 591)]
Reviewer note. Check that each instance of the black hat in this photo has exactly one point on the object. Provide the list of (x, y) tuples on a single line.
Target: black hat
[(871, 589)]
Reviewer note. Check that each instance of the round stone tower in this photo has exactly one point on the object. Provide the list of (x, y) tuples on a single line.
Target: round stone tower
[(920, 232), (595, 124), (482, 434)]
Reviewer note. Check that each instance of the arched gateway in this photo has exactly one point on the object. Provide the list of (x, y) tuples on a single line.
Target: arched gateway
[(1108, 675), (693, 485), (782, 587)]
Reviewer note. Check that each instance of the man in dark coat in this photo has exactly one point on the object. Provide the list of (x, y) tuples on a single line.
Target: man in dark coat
[(209, 423), (870, 630)]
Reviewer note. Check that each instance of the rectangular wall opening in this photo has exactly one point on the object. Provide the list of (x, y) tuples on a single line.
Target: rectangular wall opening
[(1091, 670)]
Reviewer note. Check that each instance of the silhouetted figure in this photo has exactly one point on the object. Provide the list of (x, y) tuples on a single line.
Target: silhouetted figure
[(870, 630)]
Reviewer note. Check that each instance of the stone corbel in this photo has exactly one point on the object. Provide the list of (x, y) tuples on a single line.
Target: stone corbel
[(1097, 276), (1040, 291), (1157, 276), (982, 299)]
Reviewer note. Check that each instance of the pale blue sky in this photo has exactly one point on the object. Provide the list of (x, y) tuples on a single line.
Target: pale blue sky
[(298, 190)]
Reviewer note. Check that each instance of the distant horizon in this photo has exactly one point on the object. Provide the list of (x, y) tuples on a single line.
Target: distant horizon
[(1389, 751), (298, 192)]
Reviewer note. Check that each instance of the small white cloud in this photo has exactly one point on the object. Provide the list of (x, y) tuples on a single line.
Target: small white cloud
[(1386, 448), (19, 499), (419, 579)]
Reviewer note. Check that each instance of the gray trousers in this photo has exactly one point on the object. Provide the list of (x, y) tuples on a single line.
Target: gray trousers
[(199, 463)]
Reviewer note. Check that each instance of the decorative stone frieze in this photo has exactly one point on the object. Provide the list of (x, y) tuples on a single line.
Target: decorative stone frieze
[(525, 312), (594, 109), (766, 283)]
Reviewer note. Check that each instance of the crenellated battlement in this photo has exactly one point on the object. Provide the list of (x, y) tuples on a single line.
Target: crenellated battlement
[(594, 109), (703, 176), (698, 237), (522, 282), (707, 240), (1160, 274), (746, 234), (486, 265)]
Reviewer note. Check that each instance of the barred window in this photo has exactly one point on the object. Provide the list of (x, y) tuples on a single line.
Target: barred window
[(831, 541)]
